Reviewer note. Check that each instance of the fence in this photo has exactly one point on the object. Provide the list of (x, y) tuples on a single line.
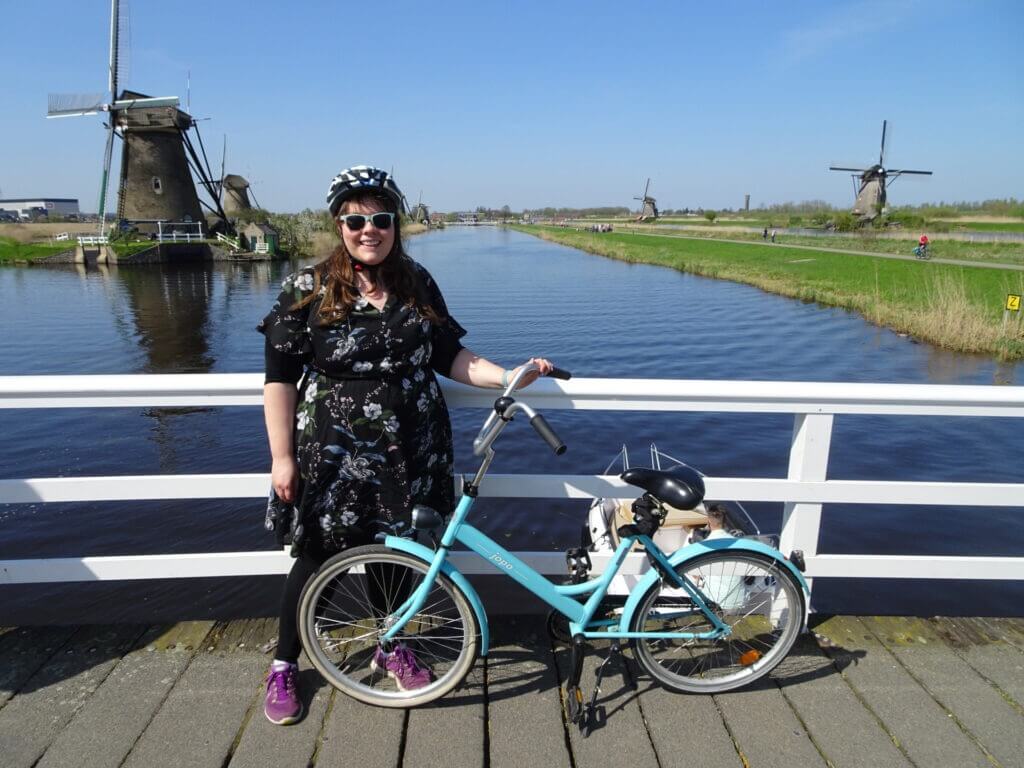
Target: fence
[(814, 407)]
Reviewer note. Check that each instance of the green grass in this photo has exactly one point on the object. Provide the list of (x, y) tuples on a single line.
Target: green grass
[(986, 226), (1002, 252), (960, 308), (127, 249), (12, 251)]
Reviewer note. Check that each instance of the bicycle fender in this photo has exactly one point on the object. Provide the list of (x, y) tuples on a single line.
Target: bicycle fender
[(699, 548), (426, 554)]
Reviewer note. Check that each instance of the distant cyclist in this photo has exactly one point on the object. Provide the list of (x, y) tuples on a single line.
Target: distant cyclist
[(921, 251)]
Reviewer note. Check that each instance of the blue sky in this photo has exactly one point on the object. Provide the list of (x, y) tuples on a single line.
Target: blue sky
[(541, 103)]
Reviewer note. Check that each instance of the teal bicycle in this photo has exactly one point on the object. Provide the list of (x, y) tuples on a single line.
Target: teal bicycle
[(710, 617)]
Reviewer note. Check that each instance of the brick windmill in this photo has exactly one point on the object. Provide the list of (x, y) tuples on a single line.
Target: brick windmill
[(870, 183), (420, 212), (648, 205), (158, 156)]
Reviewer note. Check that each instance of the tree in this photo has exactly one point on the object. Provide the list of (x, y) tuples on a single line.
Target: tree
[(505, 212), (710, 216)]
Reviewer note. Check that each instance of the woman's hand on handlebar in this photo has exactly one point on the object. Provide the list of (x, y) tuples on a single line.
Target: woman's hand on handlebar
[(544, 368), (284, 478)]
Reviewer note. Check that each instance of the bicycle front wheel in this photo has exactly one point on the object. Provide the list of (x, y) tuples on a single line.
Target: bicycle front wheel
[(755, 596), (348, 605)]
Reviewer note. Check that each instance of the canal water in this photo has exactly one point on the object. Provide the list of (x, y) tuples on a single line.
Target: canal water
[(518, 296)]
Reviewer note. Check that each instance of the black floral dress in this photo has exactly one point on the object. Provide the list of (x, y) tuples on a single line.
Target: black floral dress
[(372, 432)]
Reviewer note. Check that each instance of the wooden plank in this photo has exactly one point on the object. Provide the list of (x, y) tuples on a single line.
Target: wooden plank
[(845, 730), (198, 722), (685, 725), (977, 706), (449, 731), (922, 728), (51, 697), (129, 697), (524, 706), (24, 651), (183, 636), (620, 729), (998, 662), (262, 743), (766, 732), (243, 636), (357, 734)]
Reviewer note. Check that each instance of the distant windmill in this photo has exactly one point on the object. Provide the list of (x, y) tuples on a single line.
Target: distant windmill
[(420, 213), (648, 205), (156, 181), (871, 183)]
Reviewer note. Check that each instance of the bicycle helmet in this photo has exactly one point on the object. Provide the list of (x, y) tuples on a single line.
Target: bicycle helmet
[(363, 178)]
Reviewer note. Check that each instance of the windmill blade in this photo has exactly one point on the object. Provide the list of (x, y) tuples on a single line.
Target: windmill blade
[(647, 187), (838, 168), (881, 153), (105, 178), (115, 29), (919, 173), (223, 158), (72, 104)]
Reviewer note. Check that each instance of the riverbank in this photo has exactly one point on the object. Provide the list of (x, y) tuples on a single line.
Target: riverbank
[(955, 307)]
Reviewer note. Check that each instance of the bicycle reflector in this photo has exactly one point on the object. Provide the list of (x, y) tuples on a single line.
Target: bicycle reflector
[(750, 657)]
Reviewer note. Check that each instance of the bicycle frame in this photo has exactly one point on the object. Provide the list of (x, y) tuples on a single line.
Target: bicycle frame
[(562, 598), (559, 597)]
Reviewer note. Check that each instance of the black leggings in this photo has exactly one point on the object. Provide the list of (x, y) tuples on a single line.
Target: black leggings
[(398, 579), (307, 563)]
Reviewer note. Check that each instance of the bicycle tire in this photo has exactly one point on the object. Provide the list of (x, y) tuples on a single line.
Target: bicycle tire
[(756, 596), (345, 608)]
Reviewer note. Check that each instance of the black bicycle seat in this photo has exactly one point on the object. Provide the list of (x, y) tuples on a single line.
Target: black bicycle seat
[(680, 487)]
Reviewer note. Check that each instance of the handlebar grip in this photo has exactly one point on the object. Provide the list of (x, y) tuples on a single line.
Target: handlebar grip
[(560, 373), (545, 431)]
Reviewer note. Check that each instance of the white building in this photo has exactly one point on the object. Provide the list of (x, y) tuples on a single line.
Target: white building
[(28, 207)]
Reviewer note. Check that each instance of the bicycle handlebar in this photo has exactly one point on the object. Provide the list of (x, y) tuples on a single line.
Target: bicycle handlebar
[(544, 430), (505, 408)]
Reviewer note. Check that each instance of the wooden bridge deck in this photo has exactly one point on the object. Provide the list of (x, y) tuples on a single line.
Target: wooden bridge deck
[(860, 691)]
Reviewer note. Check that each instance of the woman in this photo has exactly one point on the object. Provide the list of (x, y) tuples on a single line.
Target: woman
[(366, 434)]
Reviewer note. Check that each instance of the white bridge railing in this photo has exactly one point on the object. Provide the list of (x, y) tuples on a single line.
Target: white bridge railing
[(803, 491), (93, 240)]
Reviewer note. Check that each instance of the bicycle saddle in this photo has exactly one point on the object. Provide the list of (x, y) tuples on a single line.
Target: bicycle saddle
[(680, 487)]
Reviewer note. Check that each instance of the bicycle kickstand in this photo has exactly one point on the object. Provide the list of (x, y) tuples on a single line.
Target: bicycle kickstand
[(573, 694)]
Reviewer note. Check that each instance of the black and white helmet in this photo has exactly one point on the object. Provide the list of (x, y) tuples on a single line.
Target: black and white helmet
[(363, 178)]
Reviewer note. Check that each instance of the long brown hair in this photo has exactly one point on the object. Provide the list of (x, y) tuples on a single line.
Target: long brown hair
[(338, 277)]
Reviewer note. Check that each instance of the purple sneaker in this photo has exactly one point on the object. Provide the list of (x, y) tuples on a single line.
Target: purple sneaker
[(282, 705), (403, 667)]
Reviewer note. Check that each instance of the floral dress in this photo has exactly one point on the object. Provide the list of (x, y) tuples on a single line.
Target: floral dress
[(372, 432)]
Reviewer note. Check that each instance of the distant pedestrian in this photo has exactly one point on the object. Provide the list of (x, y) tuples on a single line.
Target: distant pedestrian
[(764, 235), (773, 235)]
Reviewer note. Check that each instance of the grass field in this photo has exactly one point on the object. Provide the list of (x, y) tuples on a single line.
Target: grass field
[(941, 247), (11, 251), (960, 308), (987, 226)]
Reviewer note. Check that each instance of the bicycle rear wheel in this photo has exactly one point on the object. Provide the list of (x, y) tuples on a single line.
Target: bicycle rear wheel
[(757, 597), (348, 605)]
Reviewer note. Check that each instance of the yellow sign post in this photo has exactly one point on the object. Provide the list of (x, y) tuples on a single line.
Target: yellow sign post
[(1012, 305)]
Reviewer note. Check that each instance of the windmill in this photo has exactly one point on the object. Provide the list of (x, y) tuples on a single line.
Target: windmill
[(235, 194), (156, 181), (871, 183), (648, 205), (420, 213)]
